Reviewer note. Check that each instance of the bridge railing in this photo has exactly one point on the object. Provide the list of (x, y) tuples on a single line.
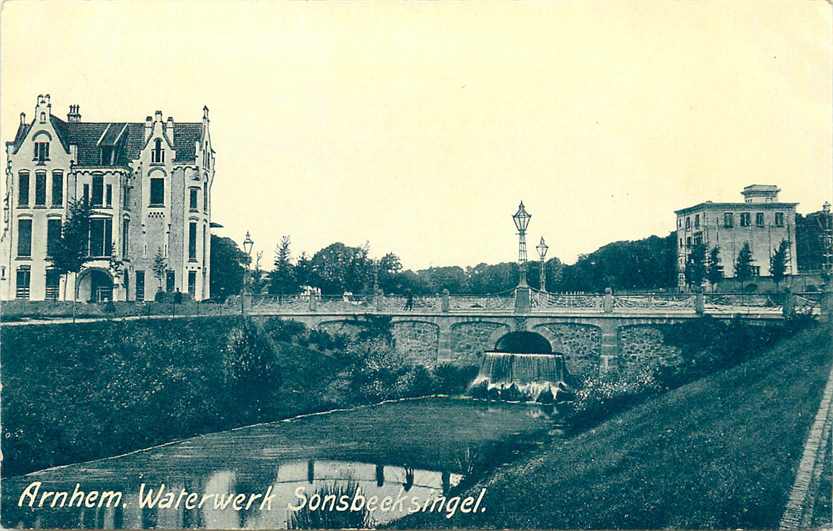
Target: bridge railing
[(735, 303)]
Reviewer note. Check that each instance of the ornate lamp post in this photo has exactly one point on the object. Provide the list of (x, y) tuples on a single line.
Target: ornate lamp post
[(542, 248), (248, 243), (521, 219), (827, 240)]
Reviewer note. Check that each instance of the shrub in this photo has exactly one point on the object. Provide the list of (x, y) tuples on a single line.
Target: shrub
[(250, 368), (453, 379), (322, 518)]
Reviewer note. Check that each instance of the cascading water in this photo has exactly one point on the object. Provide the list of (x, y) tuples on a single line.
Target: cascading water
[(519, 377)]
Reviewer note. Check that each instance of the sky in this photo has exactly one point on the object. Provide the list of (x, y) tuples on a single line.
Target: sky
[(419, 126)]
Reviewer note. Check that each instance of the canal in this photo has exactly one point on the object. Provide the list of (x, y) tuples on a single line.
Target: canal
[(420, 449)]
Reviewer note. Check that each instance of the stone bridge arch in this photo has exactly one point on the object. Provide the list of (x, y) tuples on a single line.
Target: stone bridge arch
[(579, 343), (643, 344), (419, 340), (467, 340)]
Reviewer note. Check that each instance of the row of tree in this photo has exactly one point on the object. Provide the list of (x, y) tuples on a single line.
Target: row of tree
[(701, 268), (646, 264)]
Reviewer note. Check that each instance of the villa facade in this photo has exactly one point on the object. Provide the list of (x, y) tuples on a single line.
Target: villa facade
[(149, 186), (760, 220)]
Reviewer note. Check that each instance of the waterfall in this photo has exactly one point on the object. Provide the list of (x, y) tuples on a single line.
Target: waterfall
[(518, 376)]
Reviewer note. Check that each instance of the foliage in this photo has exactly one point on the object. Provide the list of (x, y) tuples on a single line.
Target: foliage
[(250, 368), (778, 262), (71, 250), (327, 518), (809, 241), (159, 267), (714, 271), (650, 263), (743, 264), (282, 278), (227, 265), (339, 268), (695, 268)]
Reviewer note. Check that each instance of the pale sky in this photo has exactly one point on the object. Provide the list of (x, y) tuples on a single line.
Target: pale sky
[(419, 126)]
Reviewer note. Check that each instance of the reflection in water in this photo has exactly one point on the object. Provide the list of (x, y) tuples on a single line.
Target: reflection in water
[(265, 465)]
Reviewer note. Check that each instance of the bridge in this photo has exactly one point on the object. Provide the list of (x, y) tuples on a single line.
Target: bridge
[(595, 333)]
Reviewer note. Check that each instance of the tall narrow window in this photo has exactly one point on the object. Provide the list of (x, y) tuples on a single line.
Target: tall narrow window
[(52, 282), (205, 197), (192, 241), (86, 193), (157, 154), (125, 238), (53, 235), (23, 279), (157, 191), (140, 286), (779, 219), (98, 190), (170, 280), (101, 237), (23, 189), (57, 188), (24, 238), (193, 203), (745, 219), (728, 220), (192, 283), (41, 152), (697, 221), (108, 196), (40, 188), (203, 246)]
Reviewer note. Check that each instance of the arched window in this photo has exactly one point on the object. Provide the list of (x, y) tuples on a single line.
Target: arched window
[(157, 154)]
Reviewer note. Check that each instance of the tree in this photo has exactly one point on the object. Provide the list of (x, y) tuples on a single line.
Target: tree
[(304, 275), (159, 268), (778, 262), (338, 268), (695, 267), (259, 281), (743, 265), (71, 250), (282, 277), (714, 271), (227, 264)]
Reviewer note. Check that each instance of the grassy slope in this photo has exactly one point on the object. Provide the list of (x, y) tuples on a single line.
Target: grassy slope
[(77, 392), (720, 452)]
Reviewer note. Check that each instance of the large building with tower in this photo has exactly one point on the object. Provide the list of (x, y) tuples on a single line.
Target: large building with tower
[(149, 186), (761, 220)]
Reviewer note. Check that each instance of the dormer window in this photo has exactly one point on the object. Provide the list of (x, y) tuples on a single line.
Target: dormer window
[(41, 152), (157, 154), (107, 155), (43, 117)]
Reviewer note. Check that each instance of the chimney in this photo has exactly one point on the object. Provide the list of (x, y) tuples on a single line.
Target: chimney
[(205, 114), (148, 127), (169, 128), (23, 118), (74, 114)]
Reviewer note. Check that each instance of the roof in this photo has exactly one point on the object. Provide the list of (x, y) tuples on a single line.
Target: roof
[(761, 188), (708, 205), (128, 139)]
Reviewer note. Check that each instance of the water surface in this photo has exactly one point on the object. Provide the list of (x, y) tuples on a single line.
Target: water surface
[(421, 447)]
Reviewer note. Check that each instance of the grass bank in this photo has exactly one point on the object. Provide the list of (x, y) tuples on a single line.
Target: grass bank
[(76, 392), (719, 452)]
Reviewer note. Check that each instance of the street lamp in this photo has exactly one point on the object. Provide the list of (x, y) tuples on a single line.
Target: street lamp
[(521, 219), (542, 254), (248, 243)]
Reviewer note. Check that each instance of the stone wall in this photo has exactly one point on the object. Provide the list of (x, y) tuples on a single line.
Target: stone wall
[(418, 340), (468, 341), (642, 346), (345, 328), (580, 344)]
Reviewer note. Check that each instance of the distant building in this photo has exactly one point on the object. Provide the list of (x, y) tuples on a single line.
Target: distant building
[(760, 220), (150, 188)]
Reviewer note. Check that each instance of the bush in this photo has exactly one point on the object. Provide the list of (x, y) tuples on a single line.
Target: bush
[(250, 368), (453, 379)]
